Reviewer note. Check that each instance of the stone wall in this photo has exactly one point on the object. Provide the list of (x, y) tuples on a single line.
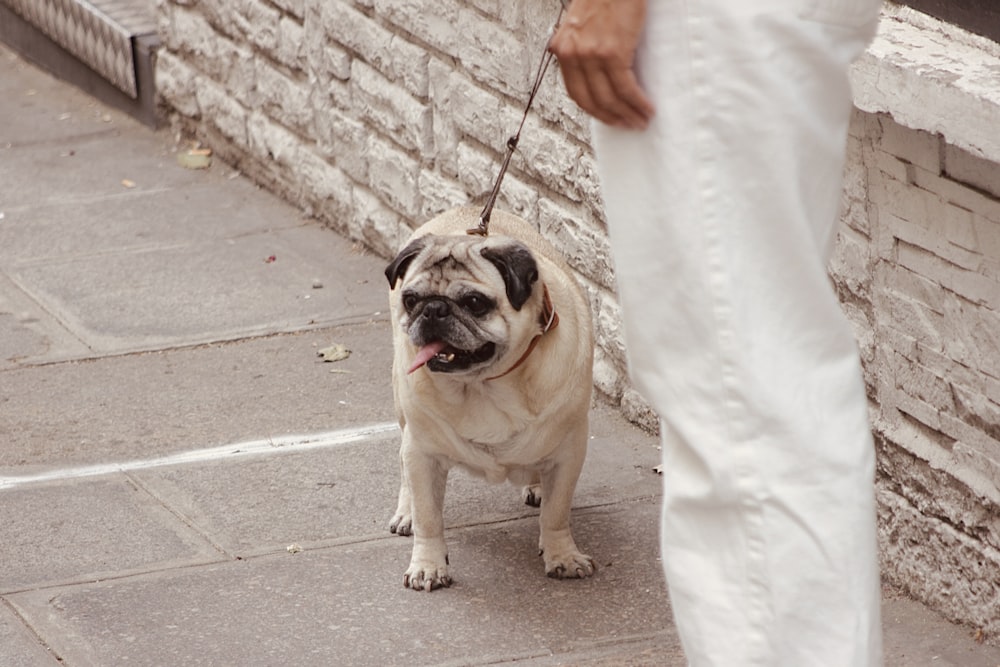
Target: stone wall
[(373, 115), (917, 266)]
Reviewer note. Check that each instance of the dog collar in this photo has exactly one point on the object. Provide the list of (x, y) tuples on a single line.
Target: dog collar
[(548, 319)]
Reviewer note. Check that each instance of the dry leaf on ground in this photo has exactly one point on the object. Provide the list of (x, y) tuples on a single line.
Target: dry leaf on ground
[(335, 352)]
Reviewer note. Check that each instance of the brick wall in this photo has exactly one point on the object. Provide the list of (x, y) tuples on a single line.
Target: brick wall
[(917, 266), (374, 115)]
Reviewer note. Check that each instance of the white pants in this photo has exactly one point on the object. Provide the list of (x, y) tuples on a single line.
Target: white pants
[(722, 215)]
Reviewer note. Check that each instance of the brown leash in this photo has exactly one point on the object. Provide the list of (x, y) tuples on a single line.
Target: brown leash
[(484, 217)]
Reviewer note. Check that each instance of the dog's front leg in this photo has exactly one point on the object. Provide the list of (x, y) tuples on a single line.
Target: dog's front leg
[(402, 521), (562, 558), (426, 477)]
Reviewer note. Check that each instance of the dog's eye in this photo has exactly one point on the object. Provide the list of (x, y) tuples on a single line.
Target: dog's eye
[(477, 304), (410, 301)]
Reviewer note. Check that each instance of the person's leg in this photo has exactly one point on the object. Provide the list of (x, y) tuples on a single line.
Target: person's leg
[(721, 215)]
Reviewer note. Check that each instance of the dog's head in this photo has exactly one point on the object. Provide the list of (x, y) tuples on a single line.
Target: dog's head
[(464, 302)]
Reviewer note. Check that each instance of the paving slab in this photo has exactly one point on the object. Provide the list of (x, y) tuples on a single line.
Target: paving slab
[(147, 405), (349, 493), (29, 333), (191, 294), (78, 531), (916, 636), (19, 647), (42, 109), (346, 605), (208, 206), (266, 503)]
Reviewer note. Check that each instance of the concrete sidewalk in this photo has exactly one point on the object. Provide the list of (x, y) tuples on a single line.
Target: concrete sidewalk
[(184, 482)]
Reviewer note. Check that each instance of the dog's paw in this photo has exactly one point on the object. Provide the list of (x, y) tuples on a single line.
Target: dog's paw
[(532, 495), (571, 565), (426, 577), (401, 524)]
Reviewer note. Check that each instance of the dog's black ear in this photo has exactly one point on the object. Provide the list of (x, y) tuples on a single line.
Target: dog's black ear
[(397, 268), (518, 268)]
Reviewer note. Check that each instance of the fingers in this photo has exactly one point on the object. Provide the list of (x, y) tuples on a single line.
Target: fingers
[(596, 47), (610, 92)]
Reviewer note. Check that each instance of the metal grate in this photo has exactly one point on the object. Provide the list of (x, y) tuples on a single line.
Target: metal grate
[(98, 32)]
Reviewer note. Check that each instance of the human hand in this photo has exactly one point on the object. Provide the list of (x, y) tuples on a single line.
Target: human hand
[(596, 45)]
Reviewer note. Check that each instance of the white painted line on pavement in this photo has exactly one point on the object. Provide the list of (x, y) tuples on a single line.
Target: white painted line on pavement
[(274, 445)]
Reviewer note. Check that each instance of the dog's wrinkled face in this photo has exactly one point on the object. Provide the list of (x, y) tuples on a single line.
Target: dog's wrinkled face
[(460, 299)]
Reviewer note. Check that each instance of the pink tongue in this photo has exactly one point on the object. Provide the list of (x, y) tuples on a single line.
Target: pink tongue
[(426, 353)]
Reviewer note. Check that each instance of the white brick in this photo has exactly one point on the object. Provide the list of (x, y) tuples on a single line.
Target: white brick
[(477, 169), (259, 22), (971, 285), (194, 37), (537, 20), (445, 133), (402, 62), (226, 62), (987, 234), (892, 166), (328, 188), (933, 239), (855, 175), (559, 163), (294, 7), (390, 108), (962, 166), (219, 109), (290, 50), (325, 59), (519, 197), (487, 50), (177, 84), (508, 14), (912, 318), (636, 409), (585, 248), (270, 142), (438, 193), (980, 412), (920, 383), (495, 55), (554, 105), (462, 107), (435, 23), (283, 98), (607, 375), (915, 146), (973, 438), (850, 264), (959, 194), (381, 228), (914, 286), (343, 140), (984, 463), (222, 15), (973, 335), (918, 206), (393, 176)]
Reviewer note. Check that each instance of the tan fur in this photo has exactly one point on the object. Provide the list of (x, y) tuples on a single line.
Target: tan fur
[(528, 426)]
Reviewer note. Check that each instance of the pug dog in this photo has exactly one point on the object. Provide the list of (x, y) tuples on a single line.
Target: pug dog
[(492, 372)]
